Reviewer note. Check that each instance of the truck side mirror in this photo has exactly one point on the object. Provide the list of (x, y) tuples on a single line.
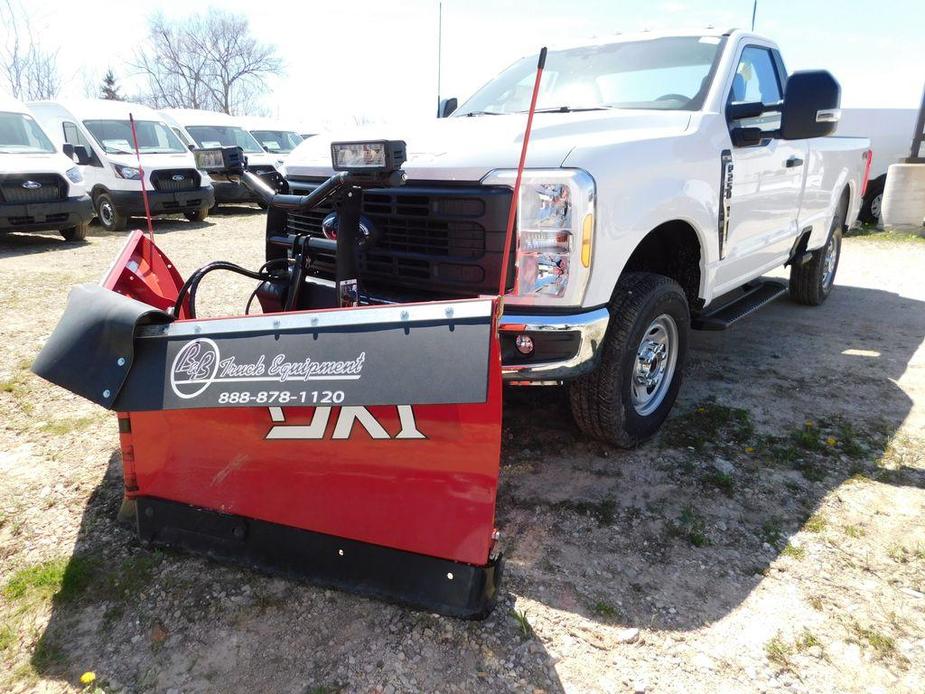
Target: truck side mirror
[(447, 106), (811, 105), (77, 153)]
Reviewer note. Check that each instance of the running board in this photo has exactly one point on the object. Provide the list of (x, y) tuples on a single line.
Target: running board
[(756, 294)]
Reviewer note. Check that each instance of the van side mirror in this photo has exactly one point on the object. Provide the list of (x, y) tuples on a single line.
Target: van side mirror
[(77, 153), (811, 105), (191, 148), (447, 106)]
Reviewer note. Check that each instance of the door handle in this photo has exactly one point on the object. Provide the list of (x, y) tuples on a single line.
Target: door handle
[(793, 162)]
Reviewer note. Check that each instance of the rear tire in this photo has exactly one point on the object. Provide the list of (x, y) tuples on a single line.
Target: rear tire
[(629, 394), (109, 216), (873, 200), (78, 233), (812, 282), (199, 215)]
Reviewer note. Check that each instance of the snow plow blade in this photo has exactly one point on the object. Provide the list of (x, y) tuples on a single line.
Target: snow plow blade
[(356, 447)]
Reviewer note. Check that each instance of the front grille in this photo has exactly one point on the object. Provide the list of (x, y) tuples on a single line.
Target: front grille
[(163, 180), (433, 237), (50, 188)]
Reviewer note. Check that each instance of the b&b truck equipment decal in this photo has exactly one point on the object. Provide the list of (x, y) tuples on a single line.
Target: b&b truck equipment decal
[(725, 197)]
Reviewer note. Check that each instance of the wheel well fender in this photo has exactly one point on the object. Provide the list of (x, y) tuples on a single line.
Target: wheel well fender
[(673, 249)]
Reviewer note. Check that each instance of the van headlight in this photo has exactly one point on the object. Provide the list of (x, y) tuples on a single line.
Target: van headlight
[(555, 234), (128, 172), (74, 175)]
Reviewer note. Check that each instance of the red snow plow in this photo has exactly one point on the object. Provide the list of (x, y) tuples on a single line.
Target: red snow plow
[(357, 445)]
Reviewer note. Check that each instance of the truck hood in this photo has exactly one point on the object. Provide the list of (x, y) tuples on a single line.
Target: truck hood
[(52, 162), (153, 162), (465, 149)]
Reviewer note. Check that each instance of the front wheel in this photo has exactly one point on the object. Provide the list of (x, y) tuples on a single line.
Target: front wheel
[(78, 233), (109, 216), (199, 215), (628, 396)]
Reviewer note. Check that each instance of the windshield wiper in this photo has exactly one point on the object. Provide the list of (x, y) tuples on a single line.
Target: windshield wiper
[(484, 113), (569, 109)]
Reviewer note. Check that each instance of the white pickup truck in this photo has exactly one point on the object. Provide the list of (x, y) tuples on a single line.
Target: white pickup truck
[(665, 175)]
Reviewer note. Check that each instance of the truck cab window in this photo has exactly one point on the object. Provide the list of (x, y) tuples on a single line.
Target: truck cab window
[(755, 80), (73, 136)]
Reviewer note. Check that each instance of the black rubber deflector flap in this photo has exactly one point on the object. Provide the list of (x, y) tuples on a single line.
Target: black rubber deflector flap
[(91, 349)]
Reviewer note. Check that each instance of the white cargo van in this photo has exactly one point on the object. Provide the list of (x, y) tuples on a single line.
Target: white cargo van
[(172, 181), (274, 136), (40, 188), (206, 129), (890, 133)]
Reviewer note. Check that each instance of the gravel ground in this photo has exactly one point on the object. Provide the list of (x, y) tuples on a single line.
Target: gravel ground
[(771, 538)]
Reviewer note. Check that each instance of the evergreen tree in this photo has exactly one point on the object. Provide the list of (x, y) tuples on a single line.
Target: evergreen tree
[(110, 90)]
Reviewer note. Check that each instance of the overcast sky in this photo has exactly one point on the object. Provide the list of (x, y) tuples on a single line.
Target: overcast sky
[(378, 58)]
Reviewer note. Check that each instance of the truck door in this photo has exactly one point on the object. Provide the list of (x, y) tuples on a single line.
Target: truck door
[(762, 202), (93, 172)]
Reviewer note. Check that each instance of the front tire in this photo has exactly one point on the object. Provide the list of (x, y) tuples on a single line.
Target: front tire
[(199, 215), (811, 282), (109, 216), (78, 233), (628, 396)]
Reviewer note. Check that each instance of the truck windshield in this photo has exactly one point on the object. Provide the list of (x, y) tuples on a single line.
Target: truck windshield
[(208, 136), (115, 136), (665, 73), (277, 140), (20, 134)]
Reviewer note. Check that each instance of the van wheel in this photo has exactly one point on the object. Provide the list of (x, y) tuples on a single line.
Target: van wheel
[(109, 216), (627, 397), (199, 215), (812, 282), (78, 233)]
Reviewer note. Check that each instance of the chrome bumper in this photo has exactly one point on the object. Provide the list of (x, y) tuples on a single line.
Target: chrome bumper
[(591, 325)]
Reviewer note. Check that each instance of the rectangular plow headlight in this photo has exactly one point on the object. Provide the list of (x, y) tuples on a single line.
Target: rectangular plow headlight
[(373, 156), (555, 234), (220, 159)]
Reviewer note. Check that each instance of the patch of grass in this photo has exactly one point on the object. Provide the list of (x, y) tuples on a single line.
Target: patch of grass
[(708, 423), (815, 601), (772, 532), (691, 526), (883, 644), (869, 232), (792, 551), (904, 555), (816, 523), (808, 437), (854, 531), (604, 609), (722, 481), (64, 578), (7, 637), (778, 651), (59, 427), (807, 640), (520, 616)]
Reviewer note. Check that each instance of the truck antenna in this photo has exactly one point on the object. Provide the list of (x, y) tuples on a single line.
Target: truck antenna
[(439, 51), (512, 215), (754, 12)]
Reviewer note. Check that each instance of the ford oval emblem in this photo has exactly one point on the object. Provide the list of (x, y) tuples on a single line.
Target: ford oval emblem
[(177, 177), (329, 227), (31, 185)]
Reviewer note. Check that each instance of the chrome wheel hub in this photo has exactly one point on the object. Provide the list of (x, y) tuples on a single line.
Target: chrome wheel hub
[(106, 214), (654, 367), (875, 206), (828, 262)]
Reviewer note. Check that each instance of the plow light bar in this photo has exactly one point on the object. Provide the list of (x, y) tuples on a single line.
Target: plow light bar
[(373, 156), (220, 159)]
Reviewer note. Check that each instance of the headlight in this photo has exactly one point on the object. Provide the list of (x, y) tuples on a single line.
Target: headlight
[(74, 175), (555, 234), (128, 172)]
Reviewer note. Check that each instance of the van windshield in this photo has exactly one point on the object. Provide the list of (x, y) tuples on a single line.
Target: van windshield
[(282, 141), (19, 133), (208, 136), (115, 137), (666, 74)]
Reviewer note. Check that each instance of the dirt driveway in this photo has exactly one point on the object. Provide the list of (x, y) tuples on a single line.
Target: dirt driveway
[(772, 537)]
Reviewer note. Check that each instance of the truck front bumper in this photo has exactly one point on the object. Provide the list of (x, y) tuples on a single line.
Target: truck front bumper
[(564, 346), (130, 202), (46, 216)]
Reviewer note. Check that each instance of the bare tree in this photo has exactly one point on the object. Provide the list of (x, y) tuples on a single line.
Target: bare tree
[(30, 71), (209, 62)]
